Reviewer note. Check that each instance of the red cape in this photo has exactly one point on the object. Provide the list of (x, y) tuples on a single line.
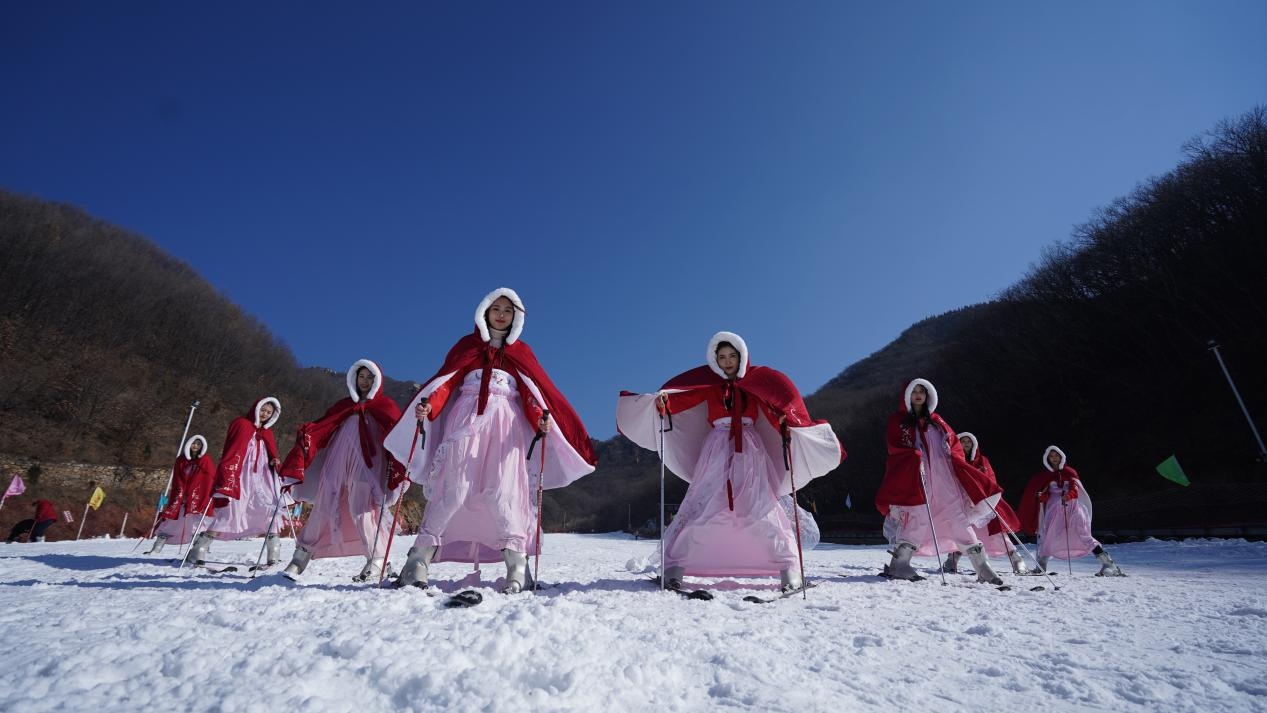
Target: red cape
[(314, 436), (1036, 493), (472, 353), (242, 431), (190, 490), (901, 484)]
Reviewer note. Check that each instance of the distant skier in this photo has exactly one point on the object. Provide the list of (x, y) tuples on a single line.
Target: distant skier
[(995, 537), (729, 422), (193, 477), (484, 410), (45, 516), (1057, 507), (338, 464), (926, 473), (246, 492)]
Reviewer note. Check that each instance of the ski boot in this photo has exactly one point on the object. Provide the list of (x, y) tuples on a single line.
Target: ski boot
[(273, 547), (197, 554), (985, 573), (1042, 566), (516, 571), (298, 563), (1018, 563), (158, 545), (414, 573), (673, 578), (900, 567), (370, 572), (790, 581), (1107, 567), (951, 566)]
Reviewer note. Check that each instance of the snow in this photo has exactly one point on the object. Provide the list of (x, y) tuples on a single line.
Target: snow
[(91, 626)]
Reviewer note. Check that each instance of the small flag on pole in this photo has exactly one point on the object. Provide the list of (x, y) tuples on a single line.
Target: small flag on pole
[(1170, 470), (66, 514), (97, 496), (16, 487), (848, 502)]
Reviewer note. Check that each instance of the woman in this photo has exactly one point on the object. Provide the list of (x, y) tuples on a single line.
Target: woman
[(189, 501), (339, 465), (478, 420), (45, 517), (995, 538), (1057, 507), (730, 421), (931, 498), (246, 491)]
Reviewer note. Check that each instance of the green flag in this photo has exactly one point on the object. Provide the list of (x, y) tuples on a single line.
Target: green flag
[(1171, 470)]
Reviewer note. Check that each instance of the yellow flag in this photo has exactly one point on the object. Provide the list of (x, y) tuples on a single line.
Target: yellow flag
[(97, 496)]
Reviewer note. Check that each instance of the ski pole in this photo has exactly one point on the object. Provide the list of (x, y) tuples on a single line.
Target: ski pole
[(382, 503), (541, 479), (1068, 549), (1016, 538), (271, 520), (931, 525), (419, 439), (167, 488), (796, 507), (197, 531), (663, 430)]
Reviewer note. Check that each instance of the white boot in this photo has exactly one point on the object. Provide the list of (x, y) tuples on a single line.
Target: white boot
[(951, 566), (790, 580), (414, 573), (158, 545), (370, 572), (985, 573), (673, 577), (298, 563), (1042, 565), (273, 547), (1107, 567), (1018, 563), (900, 567), (516, 571), (198, 550)]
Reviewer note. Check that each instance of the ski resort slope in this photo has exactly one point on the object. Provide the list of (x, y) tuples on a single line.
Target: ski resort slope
[(90, 626)]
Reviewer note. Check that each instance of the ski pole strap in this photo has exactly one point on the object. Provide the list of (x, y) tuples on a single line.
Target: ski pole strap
[(730, 495), (540, 434), (668, 415), (787, 446)]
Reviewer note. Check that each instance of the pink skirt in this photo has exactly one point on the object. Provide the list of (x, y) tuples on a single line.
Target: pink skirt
[(248, 516), (950, 509), (707, 537), (344, 521), (181, 530), (1052, 540)]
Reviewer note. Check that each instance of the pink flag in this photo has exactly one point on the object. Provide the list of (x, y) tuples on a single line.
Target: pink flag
[(66, 514), (16, 487)]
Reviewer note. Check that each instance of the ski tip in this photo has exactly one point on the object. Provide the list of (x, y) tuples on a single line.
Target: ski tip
[(465, 599)]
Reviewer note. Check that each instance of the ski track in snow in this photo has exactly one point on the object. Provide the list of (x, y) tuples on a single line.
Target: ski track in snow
[(107, 630)]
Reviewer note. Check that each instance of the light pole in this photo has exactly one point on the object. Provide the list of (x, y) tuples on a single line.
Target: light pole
[(1262, 450)]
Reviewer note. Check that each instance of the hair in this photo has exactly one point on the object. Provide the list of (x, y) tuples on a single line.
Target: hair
[(724, 344)]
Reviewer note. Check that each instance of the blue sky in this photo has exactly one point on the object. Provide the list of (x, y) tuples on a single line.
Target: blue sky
[(813, 176)]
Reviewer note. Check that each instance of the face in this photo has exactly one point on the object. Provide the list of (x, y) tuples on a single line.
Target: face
[(967, 445), (1053, 459), (195, 448), (728, 360), (266, 413), (919, 395), (364, 380), (500, 314)]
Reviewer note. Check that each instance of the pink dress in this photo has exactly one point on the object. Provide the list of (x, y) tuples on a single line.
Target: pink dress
[(1052, 541), (950, 506), (479, 487), (707, 538), (248, 515), (346, 496)]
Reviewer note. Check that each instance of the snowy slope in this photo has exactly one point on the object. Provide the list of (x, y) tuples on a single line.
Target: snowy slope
[(89, 626)]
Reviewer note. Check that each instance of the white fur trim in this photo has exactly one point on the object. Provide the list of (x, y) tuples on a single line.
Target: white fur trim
[(277, 411), (1063, 458), (516, 323), (190, 442), (928, 386), (976, 447), (737, 342), (378, 379)]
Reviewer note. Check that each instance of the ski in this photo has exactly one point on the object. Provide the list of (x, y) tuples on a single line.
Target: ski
[(702, 595), (884, 574), (782, 595), (464, 599)]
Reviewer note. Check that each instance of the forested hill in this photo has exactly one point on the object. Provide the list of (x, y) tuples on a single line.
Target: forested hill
[(1101, 348)]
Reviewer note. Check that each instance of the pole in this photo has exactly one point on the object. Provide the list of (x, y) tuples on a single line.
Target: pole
[(932, 526), (124, 525), (1068, 549), (82, 520), (1021, 545), (197, 531), (420, 438), (541, 480), (796, 507), (271, 520), (1262, 449), (663, 566), (167, 488)]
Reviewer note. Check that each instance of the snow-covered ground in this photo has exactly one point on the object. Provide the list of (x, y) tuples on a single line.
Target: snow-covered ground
[(90, 626)]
